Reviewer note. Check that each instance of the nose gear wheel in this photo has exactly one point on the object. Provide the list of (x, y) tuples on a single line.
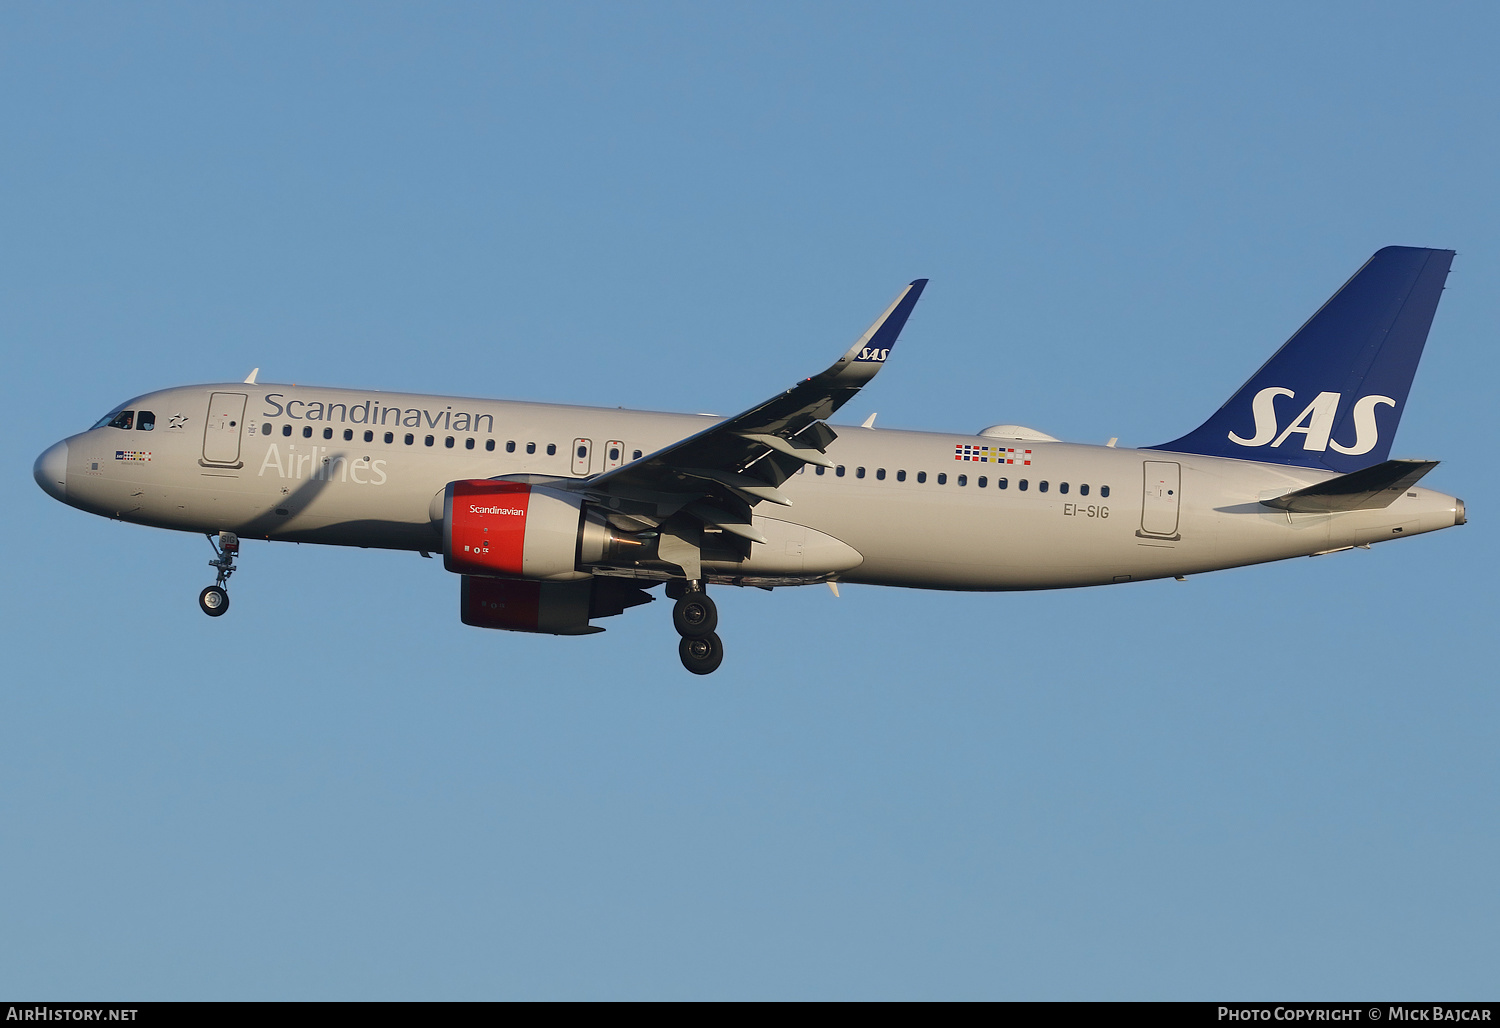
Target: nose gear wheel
[(214, 600)]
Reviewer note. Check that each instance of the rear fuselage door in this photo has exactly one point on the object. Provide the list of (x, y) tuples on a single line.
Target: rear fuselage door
[(1162, 500), (581, 450), (221, 435)]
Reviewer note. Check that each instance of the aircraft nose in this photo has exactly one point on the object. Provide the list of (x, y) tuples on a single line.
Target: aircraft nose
[(51, 471)]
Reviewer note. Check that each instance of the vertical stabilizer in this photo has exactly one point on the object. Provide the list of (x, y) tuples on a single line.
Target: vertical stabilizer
[(1332, 396)]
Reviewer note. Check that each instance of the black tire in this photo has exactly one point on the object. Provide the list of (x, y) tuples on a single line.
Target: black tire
[(214, 601), (701, 655), (695, 616)]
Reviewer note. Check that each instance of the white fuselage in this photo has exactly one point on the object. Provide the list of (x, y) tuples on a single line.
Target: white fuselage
[(921, 509)]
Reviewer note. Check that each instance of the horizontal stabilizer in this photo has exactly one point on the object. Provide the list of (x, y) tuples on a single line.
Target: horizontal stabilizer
[(1372, 488)]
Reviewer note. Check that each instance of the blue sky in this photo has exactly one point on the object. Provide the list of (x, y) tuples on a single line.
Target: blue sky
[(1271, 782)]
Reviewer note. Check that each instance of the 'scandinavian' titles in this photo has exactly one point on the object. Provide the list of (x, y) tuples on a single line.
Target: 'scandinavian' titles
[(372, 412)]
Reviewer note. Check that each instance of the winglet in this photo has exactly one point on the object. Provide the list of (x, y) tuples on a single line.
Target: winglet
[(862, 360), (250, 378)]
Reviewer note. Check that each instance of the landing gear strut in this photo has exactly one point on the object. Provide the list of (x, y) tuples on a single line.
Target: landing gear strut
[(214, 600), (695, 617)]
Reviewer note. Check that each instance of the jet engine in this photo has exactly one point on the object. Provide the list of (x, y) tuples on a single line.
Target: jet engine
[(517, 530), (554, 608)]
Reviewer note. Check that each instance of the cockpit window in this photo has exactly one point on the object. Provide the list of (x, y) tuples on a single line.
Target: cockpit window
[(121, 419), (145, 421)]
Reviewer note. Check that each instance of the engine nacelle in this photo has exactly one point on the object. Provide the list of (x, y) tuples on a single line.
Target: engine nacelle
[(556, 608), (517, 530), (511, 529)]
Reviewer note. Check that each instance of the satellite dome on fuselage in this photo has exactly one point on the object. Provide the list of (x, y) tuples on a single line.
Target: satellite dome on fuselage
[(1016, 432)]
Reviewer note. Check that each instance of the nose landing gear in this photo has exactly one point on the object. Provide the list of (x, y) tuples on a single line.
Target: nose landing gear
[(695, 617), (214, 600)]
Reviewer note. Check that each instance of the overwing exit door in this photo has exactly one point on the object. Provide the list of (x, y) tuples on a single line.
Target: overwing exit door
[(582, 455), (221, 433)]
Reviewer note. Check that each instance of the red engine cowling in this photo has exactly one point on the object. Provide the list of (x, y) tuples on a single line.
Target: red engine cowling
[(557, 608), (511, 529)]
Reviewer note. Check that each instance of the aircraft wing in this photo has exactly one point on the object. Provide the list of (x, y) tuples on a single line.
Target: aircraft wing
[(711, 480)]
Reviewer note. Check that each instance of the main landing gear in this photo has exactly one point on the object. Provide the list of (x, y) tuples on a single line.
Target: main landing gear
[(214, 600), (695, 617)]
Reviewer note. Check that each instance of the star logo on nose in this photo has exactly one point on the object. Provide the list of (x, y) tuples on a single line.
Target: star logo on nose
[(177, 421)]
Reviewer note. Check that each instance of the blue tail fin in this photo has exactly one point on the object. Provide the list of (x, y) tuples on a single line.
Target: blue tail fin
[(1332, 396)]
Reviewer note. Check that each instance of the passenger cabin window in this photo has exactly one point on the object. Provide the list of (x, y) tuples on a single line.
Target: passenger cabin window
[(901, 476), (448, 442), (369, 436), (822, 470), (265, 429), (468, 444), (145, 421), (859, 472), (489, 444), (614, 453), (983, 481), (531, 447), (636, 455), (1083, 490), (552, 449), (306, 431), (427, 441), (1104, 491), (1042, 486), (1062, 487), (390, 437), (349, 435), (410, 439), (921, 476), (880, 474), (510, 446), (942, 478), (839, 471), (327, 433), (963, 479), (286, 429), (1021, 485)]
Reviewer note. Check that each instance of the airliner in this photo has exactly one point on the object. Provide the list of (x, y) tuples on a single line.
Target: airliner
[(553, 517)]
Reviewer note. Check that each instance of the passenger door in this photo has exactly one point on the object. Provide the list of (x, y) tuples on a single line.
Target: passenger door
[(1162, 499), (221, 433)]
